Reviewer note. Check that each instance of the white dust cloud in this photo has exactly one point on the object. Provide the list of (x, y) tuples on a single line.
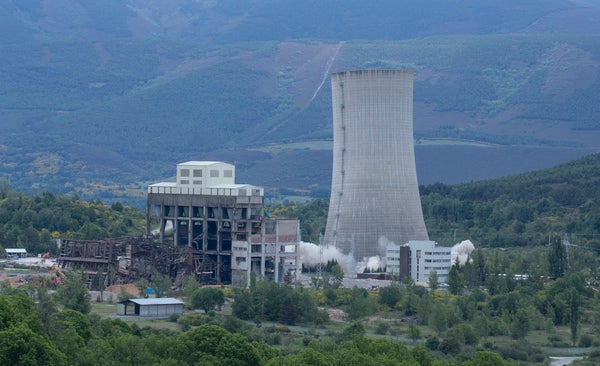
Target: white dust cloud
[(461, 252)]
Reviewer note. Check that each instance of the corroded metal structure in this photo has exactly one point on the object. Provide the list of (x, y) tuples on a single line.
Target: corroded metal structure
[(119, 260), (374, 190)]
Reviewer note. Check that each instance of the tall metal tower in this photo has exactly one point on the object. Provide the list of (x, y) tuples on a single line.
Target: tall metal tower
[(374, 189)]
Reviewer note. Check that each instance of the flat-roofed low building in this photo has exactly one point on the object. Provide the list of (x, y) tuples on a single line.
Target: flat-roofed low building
[(16, 252), (161, 307)]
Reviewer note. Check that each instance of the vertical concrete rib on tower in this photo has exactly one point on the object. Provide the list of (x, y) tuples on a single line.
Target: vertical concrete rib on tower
[(374, 188)]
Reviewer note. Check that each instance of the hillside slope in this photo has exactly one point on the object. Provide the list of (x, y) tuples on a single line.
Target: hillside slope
[(104, 98)]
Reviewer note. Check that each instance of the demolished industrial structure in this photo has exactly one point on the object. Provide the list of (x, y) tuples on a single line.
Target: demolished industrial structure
[(221, 234)]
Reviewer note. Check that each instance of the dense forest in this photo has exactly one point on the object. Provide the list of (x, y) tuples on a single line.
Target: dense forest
[(35, 222)]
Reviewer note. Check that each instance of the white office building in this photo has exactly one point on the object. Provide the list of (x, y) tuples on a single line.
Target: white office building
[(417, 259)]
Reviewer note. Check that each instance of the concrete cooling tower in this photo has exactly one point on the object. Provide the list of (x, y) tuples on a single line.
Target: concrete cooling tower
[(374, 190)]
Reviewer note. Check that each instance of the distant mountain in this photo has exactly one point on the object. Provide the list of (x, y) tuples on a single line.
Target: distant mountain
[(101, 98)]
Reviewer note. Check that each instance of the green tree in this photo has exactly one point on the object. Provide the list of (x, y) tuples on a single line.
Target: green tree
[(71, 330), (91, 231), (337, 276), (161, 285), (414, 332), (574, 303), (485, 358), (242, 304), (358, 303), (73, 293), (19, 345), (75, 320), (207, 298), (142, 285), (390, 295), (439, 317), (190, 284), (456, 282), (213, 345), (452, 343), (557, 258), (307, 356), (433, 280), (382, 327), (356, 328), (45, 304), (521, 324)]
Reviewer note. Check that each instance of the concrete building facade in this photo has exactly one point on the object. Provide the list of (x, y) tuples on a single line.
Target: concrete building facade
[(220, 222), (374, 190), (417, 259)]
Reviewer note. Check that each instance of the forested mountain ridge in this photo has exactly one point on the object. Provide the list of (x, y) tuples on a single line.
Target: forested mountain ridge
[(519, 210), (101, 99)]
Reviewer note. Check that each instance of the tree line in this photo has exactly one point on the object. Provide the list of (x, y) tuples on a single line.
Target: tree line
[(34, 222), (515, 211)]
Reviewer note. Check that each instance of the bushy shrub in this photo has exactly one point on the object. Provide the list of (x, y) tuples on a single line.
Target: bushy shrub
[(468, 334), (586, 340), (498, 328), (234, 324), (594, 355), (432, 343), (521, 351), (450, 345), (382, 327), (277, 329), (556, 340)]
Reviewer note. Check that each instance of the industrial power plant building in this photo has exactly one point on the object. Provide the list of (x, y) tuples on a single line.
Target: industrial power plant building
[(223, 224), (374, 189), (417, 259)]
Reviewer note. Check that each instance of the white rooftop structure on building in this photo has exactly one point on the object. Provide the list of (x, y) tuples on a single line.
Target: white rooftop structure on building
[(206, 178), (16, 252), (417, 259)]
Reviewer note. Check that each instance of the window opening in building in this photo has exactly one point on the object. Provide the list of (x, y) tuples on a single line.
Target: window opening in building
[(212, 212), (198, 211)]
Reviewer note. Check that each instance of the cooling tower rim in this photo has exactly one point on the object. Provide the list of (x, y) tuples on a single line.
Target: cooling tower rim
[(374, 71)]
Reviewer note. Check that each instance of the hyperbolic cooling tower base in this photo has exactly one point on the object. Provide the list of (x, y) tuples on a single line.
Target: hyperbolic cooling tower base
[(374, 189)]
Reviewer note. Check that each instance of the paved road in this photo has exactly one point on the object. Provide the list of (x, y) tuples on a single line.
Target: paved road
[(563, 361)]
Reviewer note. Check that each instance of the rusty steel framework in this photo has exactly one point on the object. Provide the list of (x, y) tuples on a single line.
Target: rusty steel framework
[(126, 260)]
